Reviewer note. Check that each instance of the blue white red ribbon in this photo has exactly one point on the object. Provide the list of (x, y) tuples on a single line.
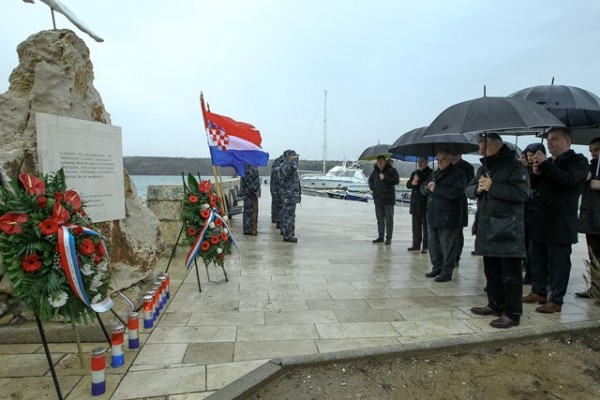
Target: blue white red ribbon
[(70, 265), (191, 256)]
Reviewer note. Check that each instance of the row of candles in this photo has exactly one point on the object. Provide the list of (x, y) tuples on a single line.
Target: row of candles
[(153, 302)]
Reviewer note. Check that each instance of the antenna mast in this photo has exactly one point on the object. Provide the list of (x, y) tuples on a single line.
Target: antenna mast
[(325, 131)]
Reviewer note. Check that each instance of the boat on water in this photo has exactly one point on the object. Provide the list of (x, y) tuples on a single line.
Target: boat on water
[(346, 195), (348, 176)]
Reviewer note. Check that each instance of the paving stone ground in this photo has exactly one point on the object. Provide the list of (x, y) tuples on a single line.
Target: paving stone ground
[(333, 290)]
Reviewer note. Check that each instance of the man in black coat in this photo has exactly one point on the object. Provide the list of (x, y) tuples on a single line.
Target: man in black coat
[(589, 210), (418, 205), (445, 189), (558, 182), (501, 187), (469, 171), (382, 182)]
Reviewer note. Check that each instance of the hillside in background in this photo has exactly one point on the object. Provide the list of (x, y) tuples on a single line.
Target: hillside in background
[(137, 165)]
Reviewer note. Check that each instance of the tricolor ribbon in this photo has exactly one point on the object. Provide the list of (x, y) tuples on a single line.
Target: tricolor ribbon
[(201, 235), (70, 265)]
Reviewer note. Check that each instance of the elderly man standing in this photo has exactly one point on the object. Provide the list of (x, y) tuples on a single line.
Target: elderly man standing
[(382, 182), (501, 187), (445, 189), (558, 182), (418, 205)]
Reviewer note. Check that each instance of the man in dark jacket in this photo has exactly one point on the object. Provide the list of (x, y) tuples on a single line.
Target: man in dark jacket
[(382, 182), (589, 210), (290, 193), (501, 187), (444, 189), (469, 171), (250, 191), (418, 205), (558, 182)]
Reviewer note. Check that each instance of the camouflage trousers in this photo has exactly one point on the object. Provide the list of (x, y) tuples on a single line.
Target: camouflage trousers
[(287, 219), (275, 210), (250, 215)]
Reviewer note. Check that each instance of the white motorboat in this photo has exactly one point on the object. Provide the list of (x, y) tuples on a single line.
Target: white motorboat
[(348, 176)]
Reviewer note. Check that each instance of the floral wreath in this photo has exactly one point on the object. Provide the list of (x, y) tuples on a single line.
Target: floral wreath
[(57, 265), (205, 224)]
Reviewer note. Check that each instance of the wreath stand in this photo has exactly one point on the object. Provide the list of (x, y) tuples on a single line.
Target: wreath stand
[(49, 356)]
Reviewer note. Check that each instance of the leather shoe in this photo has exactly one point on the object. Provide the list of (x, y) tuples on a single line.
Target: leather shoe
[(534, 298), (504, 322), (414, 248), (485, 310), (378, 240), (443, 278), (549, 308), (388, 241), (583, 295), (433, 273), (290, 239), (424, 251)]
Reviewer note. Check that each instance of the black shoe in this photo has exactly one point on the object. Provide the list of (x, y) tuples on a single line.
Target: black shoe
[(388, 241), (504, 322), (433, 273), (583, 295), (443, 278), (378, 240), (414, 248), (424, 251), (290, 239), (485, 310)]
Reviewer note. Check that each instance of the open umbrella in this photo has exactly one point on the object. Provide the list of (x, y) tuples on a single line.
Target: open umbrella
[(499, 114), (416, 143), (372, 152), (577, 108)]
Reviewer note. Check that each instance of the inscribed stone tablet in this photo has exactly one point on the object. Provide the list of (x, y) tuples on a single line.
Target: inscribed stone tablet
[(91, 155)]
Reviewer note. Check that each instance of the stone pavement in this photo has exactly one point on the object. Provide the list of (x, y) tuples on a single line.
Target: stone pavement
[(333, 290)]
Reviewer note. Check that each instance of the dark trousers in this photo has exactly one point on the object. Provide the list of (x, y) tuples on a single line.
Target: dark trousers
[(504, 285), (287, 219), (593, 244), (250, 214), (442, 249), (419, 230), (385, 220), (460, 244), (550, 267)]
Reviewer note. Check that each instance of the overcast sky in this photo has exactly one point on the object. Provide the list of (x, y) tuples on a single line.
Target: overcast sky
[(388, 66)]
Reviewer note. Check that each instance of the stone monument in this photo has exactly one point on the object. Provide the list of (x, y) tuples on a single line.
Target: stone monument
[(55, 76)]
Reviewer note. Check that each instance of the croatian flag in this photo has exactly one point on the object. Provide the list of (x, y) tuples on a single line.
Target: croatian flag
[(231, 143)]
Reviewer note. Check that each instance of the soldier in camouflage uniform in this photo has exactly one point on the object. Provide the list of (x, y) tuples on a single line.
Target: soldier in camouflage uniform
[(274, 187), (250, 191), (290, 194)]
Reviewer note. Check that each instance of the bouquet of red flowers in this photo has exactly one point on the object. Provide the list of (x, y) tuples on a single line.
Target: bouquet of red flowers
[(205, 224), (57, 265)]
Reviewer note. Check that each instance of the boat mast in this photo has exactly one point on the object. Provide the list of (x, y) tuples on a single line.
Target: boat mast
[(325, 131)]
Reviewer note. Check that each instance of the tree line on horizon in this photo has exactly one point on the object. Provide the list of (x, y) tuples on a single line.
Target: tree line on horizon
[(147, 165)]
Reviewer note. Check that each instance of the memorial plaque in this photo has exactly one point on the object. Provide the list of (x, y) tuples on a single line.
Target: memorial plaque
[(91, 155)]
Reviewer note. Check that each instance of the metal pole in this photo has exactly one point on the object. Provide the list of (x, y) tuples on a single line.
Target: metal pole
[(49, 357), (325, 131)]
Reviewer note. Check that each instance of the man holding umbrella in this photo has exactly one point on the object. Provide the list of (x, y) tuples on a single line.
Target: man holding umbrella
[(501, 187), (418, 205), (558, 182)]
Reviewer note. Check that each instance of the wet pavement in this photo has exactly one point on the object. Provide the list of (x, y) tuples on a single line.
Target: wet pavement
[(333, 290)]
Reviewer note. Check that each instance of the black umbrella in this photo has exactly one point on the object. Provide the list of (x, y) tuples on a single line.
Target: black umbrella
[(577, 108), (416, 143), (500, 114), (372, 152)]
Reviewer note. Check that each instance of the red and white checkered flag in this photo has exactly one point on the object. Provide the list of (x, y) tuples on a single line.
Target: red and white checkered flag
[(218, 138)]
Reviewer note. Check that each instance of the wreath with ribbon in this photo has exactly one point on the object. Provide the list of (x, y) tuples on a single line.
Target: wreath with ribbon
[(57, 264), (205, 224)]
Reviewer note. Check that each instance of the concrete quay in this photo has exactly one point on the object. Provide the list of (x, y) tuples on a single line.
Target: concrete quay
[(333, 294)]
